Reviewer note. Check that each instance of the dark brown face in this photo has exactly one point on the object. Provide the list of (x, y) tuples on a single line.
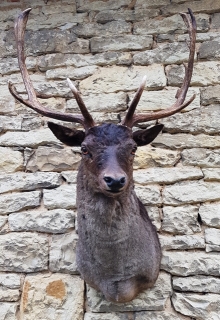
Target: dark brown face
[(107, 153)]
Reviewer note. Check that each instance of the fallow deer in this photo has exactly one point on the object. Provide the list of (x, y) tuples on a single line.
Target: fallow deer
[(118, 250)]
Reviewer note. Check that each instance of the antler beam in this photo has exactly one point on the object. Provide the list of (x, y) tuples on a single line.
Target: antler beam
[(131, 119), (85, 118)]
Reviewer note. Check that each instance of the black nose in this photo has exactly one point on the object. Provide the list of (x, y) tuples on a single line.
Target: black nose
[(115, 184)]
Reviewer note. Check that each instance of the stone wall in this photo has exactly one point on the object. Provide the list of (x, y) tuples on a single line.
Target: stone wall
[(106, 47)]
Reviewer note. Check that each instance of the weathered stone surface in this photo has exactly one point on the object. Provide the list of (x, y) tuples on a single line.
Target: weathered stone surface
[(197, 284), (8, 310), (52, 296), (7, 103), (71, 72), (111, 28), (149, 4), (182, 242), (10, 160), (200, 120), (117, 78), (158, 100), (52, 159), (149, 195), (3, 221), (84, 5), (210, 50), (181, 220), (9, 65), (62, 253), (9, 294), (13, 202), (155, 157), (195, 305), (166, 175), (21, 181), (210, 94), (114, 102), (166, 25), (210, 214), (151, 299), (51, 221), (212, 236), (62, 197), (10, 280), (201, 157), (196, 6), (181, 140), (191, 263), (25, 139), (161, 315), (191, 192), (69, 176), (23, 252), (166, 53), (121, 43), (211, 174), (106, 316), (155, 216)]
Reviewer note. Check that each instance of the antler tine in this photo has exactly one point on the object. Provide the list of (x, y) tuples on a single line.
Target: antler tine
[(181, 93), (85, 119)]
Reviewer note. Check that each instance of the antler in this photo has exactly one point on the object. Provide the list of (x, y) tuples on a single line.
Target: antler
[(85, 118), (130, 119)]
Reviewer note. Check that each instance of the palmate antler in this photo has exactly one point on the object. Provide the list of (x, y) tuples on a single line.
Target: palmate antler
[(132, 119), (85, 119)]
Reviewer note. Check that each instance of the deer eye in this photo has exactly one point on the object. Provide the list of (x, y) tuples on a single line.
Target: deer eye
[(133, 151), (84, 150)]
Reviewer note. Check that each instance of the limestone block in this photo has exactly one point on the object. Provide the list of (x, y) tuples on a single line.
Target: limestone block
[(51, 221), (113, 79), (104, 102), (215, 21), (25, 123), (169, 53), (52, 159), (9, 65), (149, 195), (198, 306), (25, 139), (182, 242), (3, 221), (155, 157), (23, 252), (166, 175), (8, 310), (181, 220), (106, 316), (197, 284), (71, 72), (212, 236), (210, 214), (161, 315), (154, 26), (7, 103), (10, 160), (13, 202), (159, 100), (69, 176), (10, 280), (154, 214), (201, 157), (63, 197), (210, 94), (29, 181), (210, 50), (212, 247), (121, 43), (52, 296), (191, 263), (211, 174), (151, 299), (149, 4), (9, 294), (112, 28), (84, 6), (201, 6), (181, 140), (191, 192), (62, 253)]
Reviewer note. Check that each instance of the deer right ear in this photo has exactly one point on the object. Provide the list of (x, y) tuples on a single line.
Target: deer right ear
[(70, 137)]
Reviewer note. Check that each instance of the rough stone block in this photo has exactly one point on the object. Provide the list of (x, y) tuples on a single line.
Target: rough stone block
[(151, 299), (212, 236), (51, 221), (94, 5), (106, 316), (23, 252), (197, 283), (62, 253), (211, 174), (154, 214), (52, 296), (13, 202), (210, 94), (182, 242), (63, 197), (201, 157), (206, 6), (10, 160), (70, 176), (10, 280), (8, 310), (210, 214), (161, 315), (181, 220), (149, 195), (71, 72), (210, 50)]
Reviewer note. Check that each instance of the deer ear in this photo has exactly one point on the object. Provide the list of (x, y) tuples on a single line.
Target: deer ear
[(70, 137), (143, 137)]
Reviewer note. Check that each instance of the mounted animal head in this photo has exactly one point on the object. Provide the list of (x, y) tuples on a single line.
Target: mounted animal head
[(108, 149)]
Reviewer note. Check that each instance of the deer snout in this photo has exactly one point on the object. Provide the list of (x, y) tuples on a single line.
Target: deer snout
[(115, 184)]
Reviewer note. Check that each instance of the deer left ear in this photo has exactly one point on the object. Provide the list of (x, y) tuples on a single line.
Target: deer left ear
[(143, 137), (70, 137)]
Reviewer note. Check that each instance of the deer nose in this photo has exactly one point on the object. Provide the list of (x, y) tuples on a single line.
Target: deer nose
[(115, 184)]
